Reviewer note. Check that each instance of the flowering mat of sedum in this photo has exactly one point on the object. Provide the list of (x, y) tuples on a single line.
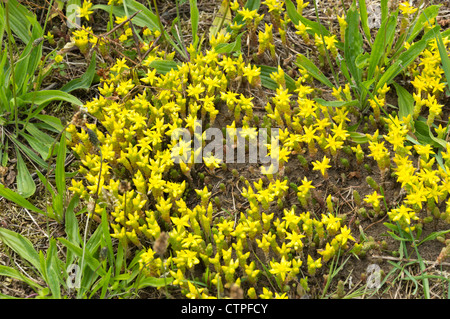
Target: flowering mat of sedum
[(282, 151)]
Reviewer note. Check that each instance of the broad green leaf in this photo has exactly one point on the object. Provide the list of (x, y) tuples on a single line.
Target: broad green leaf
[(433, 236), (267, 82), (439, 141), (391, 226), (315, 27), (358, 138), (37, 145), (336, 104), (353, 44), (94, 241), (53, 270), (382, 39), (107, 236), (304, 63), (14, 274), (105, 284), (364, 19), (29, 153), (194, 21), (362, 60), (51, 121), (145, 18), (445, 60), (43, 137), (60, 169), (18, 199), (425, 136), (25, 183), (85, 81), (22, 21), (45, 182), (234, 46), (72, 7), (42, 97), (401, 63), (428, 13), (384, 10), (396, 237), (163, 66), (22, 246), (405, 101), (154, 282), (71, 222)]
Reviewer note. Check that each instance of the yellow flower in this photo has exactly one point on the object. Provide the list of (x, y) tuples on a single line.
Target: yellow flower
[(406, 8), (280, 268), (344, 236), (373, 199), (84, 10), (235, 5), (322, 166), (331, 222), (403, 215), (248, 15), (58, 58), (313, 265)]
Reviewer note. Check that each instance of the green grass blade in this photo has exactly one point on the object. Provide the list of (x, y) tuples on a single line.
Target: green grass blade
[(433, 236), (305, 63), (85, 81), (316, 28), (42, 97), (382, 39), (22, 21), (14, 274), (405, 101), (25, 183), (336, 104), (267, 82), (60, 172), (37, 145), (71, 222), (445, 60), (384, 10), (29, 153), (22, 246), (364, 19), (353, 44), (194, 21), (428, 13), (107, 236), (53, 270), (18, 199), (154, 282), (401, 63)]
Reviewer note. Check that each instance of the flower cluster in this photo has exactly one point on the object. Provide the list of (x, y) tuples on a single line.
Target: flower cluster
[(128, 167)]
